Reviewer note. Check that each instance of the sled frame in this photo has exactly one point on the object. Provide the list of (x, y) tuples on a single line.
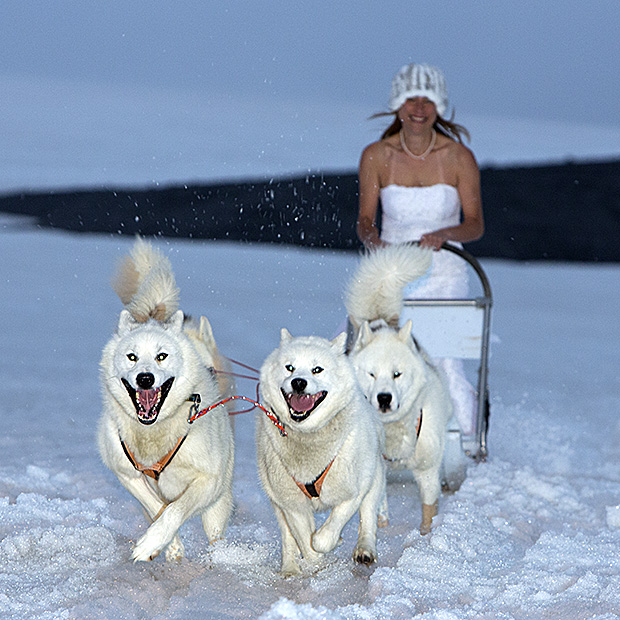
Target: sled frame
[(475, 344)]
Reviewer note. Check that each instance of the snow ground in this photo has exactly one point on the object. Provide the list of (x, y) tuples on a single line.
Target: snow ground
[(534, 533)]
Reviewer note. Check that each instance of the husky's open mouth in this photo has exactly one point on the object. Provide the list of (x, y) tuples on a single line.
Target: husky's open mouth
[(302, 405), (148, 403)]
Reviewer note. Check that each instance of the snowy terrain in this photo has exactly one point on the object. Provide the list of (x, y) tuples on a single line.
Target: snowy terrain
[(533, 533)]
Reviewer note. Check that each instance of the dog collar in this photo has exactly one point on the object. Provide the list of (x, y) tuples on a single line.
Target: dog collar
[(154, 471)]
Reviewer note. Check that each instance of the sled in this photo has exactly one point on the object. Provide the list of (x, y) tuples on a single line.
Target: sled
[(460, 328)]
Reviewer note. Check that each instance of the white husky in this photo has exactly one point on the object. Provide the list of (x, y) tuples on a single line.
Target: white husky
[(395, 373), (154, 371), (330, 457)]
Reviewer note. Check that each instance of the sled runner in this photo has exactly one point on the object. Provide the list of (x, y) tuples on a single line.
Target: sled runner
[(459, 328)]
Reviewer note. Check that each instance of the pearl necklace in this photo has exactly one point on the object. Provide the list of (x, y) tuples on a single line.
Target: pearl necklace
[(413, 155)]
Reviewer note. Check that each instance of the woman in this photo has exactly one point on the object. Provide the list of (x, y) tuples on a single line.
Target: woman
[(428, 183)]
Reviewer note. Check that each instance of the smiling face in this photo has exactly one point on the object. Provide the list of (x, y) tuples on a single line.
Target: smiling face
[(418, 113), (302, 395), (305, 379), (144, 361)]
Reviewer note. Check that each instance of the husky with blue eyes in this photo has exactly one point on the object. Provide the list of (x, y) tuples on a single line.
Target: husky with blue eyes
[(328, 457), (154, 371)]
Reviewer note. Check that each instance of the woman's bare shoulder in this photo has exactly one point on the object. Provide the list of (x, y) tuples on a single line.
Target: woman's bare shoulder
[(457, 153), (380, 148), (378, 154), (463, 152)]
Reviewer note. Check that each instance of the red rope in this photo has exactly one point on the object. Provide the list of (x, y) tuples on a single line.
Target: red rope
[(228, 373), (255, 403), (234, 374), (232, 361), (272, 416)]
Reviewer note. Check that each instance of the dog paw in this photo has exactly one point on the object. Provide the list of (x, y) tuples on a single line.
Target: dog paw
[(175, 551), (364, 555), (323, 541), (382, 521), (428, 512), (148, 547), (141, 553), (290, 570)]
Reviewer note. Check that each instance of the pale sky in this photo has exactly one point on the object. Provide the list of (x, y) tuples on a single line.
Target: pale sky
[(531, 59)]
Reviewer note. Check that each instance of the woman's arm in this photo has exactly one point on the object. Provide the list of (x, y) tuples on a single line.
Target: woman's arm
[(468, 186), (369, 186)]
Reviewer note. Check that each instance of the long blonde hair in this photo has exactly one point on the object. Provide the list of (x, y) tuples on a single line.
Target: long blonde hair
[(448, 128)]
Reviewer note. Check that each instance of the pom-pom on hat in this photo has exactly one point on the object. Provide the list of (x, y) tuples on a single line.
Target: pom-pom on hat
[(417, 80)]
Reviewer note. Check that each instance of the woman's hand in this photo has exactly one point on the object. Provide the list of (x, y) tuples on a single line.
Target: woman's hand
[(433, 240)]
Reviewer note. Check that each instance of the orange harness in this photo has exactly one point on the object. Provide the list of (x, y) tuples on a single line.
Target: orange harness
[(313, 489), (154, 471), (418, 427)]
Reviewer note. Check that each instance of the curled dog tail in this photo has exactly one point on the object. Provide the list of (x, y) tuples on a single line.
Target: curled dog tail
[(376, 289), (145, 283)]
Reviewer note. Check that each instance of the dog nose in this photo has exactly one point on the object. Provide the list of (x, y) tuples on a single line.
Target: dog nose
[(145, 380), (299, 385), (384, 399)]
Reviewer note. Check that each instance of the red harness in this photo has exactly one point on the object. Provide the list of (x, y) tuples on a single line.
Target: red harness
[(313, 489), (154, 471)]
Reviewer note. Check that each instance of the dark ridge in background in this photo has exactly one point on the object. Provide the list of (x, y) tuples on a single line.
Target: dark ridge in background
[(566, 212)]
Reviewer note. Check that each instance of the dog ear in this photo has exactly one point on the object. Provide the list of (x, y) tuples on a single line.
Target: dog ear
[(365, 334), (357, 345), (175, 322), (405, 331), (340, 342), (126, 322), (363, 337), (285, 335), (206, 333)]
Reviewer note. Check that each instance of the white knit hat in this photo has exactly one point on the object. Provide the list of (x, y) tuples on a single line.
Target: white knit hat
[(417, 80)]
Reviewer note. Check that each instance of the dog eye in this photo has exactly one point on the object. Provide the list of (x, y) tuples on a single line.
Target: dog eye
[(316, 370), (290, 367), (161, 357), (132, 357), (397, 374), (372, 374)]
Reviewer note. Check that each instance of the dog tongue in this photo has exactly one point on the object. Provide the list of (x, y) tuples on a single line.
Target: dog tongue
[(148, 399), (302, 402)]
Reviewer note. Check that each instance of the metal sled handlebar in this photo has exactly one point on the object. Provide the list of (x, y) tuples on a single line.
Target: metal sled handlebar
[(477, 446), (473, 261)]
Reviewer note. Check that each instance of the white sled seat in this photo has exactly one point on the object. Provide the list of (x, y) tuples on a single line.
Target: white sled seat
[(447, 327), (459, 328)]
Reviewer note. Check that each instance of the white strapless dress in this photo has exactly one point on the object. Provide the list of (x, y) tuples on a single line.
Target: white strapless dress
[(409, 212), (406, 214)]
